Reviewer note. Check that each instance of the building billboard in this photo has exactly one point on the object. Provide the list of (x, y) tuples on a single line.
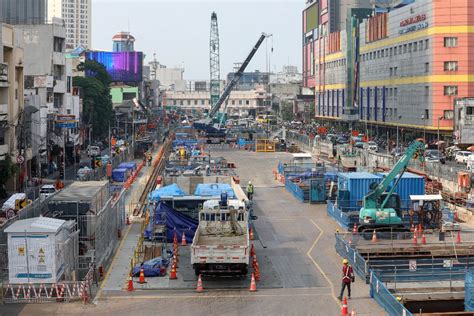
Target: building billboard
[(121, 66)]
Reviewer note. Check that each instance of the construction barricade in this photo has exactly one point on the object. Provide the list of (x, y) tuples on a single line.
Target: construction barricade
[(385, 299), (265, 146)]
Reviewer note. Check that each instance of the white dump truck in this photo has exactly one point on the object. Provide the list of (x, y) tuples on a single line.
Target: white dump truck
[(221, 243)]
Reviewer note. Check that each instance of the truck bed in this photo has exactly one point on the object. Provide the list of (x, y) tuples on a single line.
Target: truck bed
[(213, 240)]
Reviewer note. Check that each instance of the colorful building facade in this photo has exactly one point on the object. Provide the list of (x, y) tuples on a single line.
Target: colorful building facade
[(408, 68)]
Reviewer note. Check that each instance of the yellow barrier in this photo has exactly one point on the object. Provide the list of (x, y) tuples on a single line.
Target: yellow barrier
[(265, 146)]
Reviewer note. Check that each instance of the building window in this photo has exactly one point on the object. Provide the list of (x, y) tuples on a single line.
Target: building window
[(395, 51), (427, 114), (174, 102), (409, 47), (450, 42), (427, 91), (469, 110), (404, 48), (427, 67), (450, 66), (400, 49), (391, 71), (391, 51), (395, 71), (247, 102), (415, 46), (395, 93), (240, 102), (426, 44), (195, 102), (450, 90)]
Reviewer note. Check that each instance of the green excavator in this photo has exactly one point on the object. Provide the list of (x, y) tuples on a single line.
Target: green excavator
[(381, 209)]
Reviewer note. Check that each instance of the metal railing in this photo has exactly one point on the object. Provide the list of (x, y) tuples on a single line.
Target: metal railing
[(385, 298)]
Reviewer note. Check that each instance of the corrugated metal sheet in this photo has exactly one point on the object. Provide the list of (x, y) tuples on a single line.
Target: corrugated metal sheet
[(357, 183), (410, 184)]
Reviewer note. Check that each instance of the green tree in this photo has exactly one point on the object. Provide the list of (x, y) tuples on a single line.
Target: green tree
[(7, 170), (97, 103), (286, 111)]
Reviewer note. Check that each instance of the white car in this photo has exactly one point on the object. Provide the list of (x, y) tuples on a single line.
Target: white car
[(372, 146), (461, 156), (46, 190)]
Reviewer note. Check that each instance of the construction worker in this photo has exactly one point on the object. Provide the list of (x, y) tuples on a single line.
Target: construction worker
[(250, 190), (347, 278), (150, 157)]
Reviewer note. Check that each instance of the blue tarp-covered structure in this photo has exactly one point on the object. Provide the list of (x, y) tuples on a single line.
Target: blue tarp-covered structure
[(169, 190), (128, 165), (214, 189), (120, 174), (152, 268), (174, 221)]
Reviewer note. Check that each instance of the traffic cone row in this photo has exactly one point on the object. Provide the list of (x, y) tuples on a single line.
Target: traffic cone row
[(415, 238), (253, 284), (251, 234), (183, 239), (257, 272), (354, 230), (254, 261), (344, 308), (130, 283), (199, 287), (173, 275), (374, 237), (141, 279), (252, 251)]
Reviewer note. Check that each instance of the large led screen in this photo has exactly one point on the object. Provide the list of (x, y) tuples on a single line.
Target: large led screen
[(121, 66)]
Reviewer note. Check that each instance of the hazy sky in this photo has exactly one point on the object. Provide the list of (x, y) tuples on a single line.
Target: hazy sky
[(178, 31)]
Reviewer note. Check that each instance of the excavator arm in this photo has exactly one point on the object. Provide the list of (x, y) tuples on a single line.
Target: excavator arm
[(372, 200)]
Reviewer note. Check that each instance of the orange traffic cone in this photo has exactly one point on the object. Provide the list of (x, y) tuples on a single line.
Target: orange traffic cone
[(173, 272), (251, 234), (199, 287), (415, 239), (257, 272), (128, 220), (141, 279), (374, 236), (458, 239), (344, 309), (183, 239), (354, 230), (423, 239), (254, 262), (252, 251), (175, 260), (130, 283), (253, 285)]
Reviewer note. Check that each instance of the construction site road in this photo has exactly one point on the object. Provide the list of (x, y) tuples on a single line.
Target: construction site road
[(295, 249)]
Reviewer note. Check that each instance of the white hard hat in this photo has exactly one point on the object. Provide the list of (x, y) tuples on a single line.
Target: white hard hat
[(250, 182)]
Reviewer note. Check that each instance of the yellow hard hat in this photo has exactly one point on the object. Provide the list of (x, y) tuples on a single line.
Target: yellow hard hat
[(345, 261)]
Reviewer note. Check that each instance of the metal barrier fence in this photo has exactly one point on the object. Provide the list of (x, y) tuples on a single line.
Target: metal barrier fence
[(385, 298), (447, 268), (469, 290), (62, 291), (297, 192)]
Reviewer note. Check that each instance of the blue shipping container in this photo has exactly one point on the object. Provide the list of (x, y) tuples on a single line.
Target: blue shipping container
[(357, 184), (409, 184), (120, 174)]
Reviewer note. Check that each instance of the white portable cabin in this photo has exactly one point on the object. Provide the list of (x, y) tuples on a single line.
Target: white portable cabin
[(35, 253), (302, 158)]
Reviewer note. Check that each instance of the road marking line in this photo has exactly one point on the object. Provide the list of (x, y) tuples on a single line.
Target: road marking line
[(119, 250), (321, 232), (209, 296)]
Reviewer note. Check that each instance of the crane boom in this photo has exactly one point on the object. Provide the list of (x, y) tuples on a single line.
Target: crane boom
[(230, 86)]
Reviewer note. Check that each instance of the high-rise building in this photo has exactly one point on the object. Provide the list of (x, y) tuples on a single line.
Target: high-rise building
[(23, 11), (77, 15)]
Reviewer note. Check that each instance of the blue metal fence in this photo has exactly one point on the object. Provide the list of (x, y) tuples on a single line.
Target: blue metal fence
[(344, 219), (385, 299), (297, 192), (469, 290)]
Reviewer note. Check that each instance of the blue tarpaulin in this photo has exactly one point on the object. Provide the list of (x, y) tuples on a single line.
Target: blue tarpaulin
[(174, 221), (128, 165), (152, 268), (214, 189), (169, 190), (120, 174)]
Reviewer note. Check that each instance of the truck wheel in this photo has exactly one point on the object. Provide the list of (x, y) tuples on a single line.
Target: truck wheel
[(197, 272)]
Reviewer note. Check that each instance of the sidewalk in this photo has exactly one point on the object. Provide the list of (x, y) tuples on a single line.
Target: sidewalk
[(118, 272)]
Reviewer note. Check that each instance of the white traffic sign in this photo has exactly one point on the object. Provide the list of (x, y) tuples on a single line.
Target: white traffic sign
[(412, 265), (20, 159)]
